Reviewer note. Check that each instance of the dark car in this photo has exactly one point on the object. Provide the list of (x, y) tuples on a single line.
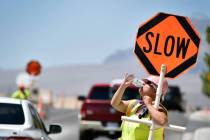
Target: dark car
[(174, 99)]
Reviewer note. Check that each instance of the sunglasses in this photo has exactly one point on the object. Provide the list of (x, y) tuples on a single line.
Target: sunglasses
[(151, 84)]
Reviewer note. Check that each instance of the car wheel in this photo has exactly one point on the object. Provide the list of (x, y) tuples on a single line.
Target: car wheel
[(86, 135)]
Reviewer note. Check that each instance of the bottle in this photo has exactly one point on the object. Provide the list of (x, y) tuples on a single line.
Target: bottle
[(138, 83)]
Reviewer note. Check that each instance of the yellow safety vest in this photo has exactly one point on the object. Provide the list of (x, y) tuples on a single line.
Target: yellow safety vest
[(136, 131), (20, 95)]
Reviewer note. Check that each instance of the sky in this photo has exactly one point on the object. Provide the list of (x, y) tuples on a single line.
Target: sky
[(72, 32)]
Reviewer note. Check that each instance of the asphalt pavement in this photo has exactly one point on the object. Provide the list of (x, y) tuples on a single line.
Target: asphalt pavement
[(68, 121)]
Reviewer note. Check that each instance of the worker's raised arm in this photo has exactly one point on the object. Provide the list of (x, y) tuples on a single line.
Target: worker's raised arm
[(117, 101)]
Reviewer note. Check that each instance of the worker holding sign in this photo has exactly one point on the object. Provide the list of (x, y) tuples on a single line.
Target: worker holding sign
[(167, 46), (142, 109)]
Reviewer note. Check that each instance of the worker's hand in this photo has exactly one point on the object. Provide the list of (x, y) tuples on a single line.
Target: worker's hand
[(147, 100), (128, 79)]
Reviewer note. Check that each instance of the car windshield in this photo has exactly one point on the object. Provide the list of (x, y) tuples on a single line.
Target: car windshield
[(100, 93), (106, 93), (130, 93), (11, 114)]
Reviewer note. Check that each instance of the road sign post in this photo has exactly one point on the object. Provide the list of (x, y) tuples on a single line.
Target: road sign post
[(166, 41), (157, 99)]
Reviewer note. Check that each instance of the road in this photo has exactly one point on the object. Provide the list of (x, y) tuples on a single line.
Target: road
[(69, 122)]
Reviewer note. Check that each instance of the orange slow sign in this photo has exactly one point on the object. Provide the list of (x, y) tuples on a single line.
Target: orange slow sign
[(170, 40)]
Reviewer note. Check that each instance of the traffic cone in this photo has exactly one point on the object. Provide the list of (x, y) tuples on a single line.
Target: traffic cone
[(40, 108)]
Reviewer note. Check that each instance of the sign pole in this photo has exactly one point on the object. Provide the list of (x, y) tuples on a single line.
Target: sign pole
[(157, 99)]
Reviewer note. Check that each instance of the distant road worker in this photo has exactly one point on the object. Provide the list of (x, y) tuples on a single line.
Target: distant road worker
[(141, 109), (23, 82), (21, 93)]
